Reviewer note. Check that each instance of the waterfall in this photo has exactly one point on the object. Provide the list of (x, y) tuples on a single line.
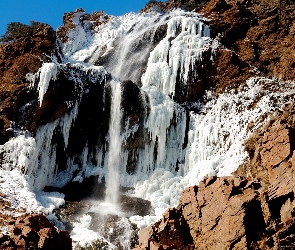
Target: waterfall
[(115, 141), (179, 143)]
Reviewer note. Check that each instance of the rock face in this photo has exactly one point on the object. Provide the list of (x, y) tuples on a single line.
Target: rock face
[(23, 56), (253, 210), (212, 214), (34, 232), (260, 32), (168, 5), (271, 146), (228, 213), (88, 21)]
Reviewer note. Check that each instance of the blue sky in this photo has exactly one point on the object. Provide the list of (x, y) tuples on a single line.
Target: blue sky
[(51, 11)]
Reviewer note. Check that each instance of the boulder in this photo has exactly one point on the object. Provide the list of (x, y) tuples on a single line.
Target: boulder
[(34, 231), (216, 213)]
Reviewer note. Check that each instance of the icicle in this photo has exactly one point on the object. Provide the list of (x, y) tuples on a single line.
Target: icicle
[(175, 55), (48, 71), (66, 123)]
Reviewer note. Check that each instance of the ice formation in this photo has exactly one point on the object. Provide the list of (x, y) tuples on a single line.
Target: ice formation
[(215, 141), (36, 157), (48, 72), (165, 165)]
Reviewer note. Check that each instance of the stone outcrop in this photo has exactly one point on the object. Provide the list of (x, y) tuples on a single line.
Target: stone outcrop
[(168, 5), (270, 146), (260, 32), (214, 214), (34, 232), (254, 209), (228, 213), (88, 21), (24, 55)]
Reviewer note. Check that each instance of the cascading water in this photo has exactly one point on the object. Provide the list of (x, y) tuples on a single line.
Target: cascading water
[(178, 147), (115, 141)]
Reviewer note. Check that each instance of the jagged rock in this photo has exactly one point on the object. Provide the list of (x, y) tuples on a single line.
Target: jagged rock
[(271, 146), (88, 21), (260, 32), (228, 213), (168, 5), (22, 56), (34, 232), (225, 71), (276, 146), (222, 213)]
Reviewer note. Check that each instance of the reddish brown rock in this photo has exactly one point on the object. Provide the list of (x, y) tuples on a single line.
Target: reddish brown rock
[(259, 31), (90, 21), (276, 146), (34, 232), (271, 146), (282, 180), (215, 214), (235, 213), (22, 56), (185, 4)]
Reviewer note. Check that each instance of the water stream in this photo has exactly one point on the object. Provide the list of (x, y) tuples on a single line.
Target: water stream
[(115, 141), (178, 147)]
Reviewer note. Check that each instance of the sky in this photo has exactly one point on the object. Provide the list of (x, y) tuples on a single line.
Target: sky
[(51, 11)]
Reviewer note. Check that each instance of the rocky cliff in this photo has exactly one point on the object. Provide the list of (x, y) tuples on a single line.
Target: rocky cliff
[(253, 209), (34, 232), (169, 69)]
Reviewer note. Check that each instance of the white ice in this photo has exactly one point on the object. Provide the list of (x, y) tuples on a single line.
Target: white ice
[(47, 72), (216, 130)]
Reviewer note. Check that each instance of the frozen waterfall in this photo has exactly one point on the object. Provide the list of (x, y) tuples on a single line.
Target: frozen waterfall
[(178, 148)]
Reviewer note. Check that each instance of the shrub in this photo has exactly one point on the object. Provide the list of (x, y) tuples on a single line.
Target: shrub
[(95, 245), (196, 4), (16, 30)]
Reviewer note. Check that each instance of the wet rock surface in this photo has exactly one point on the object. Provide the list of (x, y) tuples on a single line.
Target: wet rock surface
[(87, 198)]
